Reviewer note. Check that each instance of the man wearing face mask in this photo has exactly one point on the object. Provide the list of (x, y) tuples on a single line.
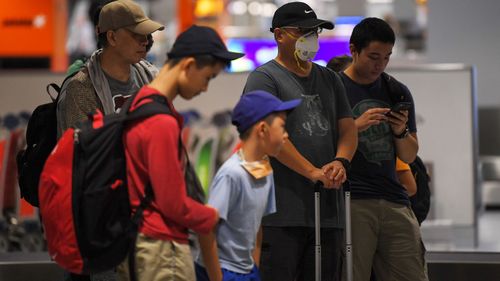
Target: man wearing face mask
[(322, 141)]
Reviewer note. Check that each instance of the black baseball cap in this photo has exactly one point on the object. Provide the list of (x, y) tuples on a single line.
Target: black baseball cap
[(298, 14), (201, 40)]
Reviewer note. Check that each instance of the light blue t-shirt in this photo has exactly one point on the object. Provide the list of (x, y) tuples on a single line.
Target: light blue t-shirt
[(242, 201)]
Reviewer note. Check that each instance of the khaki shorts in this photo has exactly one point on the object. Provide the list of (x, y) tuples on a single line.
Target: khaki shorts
[(159, 260), (386, 236)]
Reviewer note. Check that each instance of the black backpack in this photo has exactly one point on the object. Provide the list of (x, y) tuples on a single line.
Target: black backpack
[(41, 137), (421, 201)]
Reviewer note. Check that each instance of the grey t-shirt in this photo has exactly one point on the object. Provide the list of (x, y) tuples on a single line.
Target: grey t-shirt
[(121, 91), (313, 129)]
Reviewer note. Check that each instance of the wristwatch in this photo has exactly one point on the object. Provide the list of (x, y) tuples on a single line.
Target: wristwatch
[(403, 134), (346, 163)]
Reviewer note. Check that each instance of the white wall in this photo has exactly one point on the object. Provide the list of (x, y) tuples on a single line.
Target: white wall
[(467, 31), (24, 90)]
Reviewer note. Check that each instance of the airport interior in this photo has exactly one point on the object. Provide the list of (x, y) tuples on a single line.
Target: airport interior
[(447, 52)]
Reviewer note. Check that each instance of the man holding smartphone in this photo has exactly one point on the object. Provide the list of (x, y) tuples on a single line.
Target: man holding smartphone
[(385, 232)]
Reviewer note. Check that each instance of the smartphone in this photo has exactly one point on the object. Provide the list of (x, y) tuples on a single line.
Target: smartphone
[(400, 106)]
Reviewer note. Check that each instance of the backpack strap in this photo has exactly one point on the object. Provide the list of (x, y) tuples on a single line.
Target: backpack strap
[(158, 106), (393, 86), (58, 88), (136, 220)]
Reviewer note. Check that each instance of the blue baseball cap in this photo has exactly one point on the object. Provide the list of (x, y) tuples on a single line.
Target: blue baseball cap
[(255, 106)]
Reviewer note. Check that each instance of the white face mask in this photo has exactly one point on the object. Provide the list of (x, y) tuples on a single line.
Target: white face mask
[(307, 46)]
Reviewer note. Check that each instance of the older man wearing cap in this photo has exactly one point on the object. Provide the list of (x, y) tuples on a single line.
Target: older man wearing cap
[(153, 158), (113, 73), (322, 141)]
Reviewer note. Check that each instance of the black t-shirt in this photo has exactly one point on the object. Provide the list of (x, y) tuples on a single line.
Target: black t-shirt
[(373, 168), (313, 129)]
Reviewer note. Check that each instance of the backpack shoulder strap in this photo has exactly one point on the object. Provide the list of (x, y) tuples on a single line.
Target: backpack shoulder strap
[(58, 88), (393, 86), (158, 106)]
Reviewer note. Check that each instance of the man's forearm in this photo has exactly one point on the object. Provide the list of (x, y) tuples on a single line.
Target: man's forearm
[(257, 249), (407, 148), (291, 157), (208, 246), (348, 138)]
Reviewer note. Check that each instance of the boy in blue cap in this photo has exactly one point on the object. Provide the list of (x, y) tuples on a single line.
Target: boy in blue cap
[(243, 190)]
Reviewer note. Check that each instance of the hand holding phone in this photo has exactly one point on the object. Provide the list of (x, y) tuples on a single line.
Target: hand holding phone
[(400, 106)]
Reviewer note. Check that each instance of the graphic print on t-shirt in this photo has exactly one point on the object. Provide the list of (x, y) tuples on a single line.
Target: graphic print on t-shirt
[(119, 100), (375, 143), (314, 123)]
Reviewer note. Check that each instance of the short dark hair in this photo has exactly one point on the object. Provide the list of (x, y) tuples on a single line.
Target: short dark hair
[(268, 119), (339, 63), (102, 40), (370, 30), (201, 61), (150, 42)]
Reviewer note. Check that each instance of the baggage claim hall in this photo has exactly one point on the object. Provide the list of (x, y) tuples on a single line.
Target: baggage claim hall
[(445, 53)]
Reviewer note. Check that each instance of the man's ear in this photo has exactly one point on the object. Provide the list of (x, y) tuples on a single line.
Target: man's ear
[(187, 64), (278, 34), (353, 50), (111, 37), (262, 128)]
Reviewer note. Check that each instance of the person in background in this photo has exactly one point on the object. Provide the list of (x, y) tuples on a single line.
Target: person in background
[(115, 72), (339, 63), (385, 231), (322, 141), (111, 75), (152, 153)]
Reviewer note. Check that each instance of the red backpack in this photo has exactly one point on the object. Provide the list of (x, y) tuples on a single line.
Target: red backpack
[(84, 201)]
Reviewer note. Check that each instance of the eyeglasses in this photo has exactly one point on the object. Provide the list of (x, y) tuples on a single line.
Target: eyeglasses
[(138, 37), (303, 30)]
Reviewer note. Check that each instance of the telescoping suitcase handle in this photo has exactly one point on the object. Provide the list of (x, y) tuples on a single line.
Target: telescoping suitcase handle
[(348, 242), (317, 231), (317, 228)]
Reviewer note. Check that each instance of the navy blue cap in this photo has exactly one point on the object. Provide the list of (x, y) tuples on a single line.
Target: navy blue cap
[(298, 14), (255, 106), (201, 40)]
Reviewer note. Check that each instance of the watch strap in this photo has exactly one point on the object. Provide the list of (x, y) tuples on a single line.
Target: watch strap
[(346, 163), (403, 134)]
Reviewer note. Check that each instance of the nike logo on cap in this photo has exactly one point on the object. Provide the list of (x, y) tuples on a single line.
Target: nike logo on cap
[(307, 12)]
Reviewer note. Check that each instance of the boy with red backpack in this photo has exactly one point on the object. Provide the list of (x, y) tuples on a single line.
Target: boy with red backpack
[(152, 156)]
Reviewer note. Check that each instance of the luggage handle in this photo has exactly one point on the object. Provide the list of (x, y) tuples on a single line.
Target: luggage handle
[(317, 230), (348, 242)]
